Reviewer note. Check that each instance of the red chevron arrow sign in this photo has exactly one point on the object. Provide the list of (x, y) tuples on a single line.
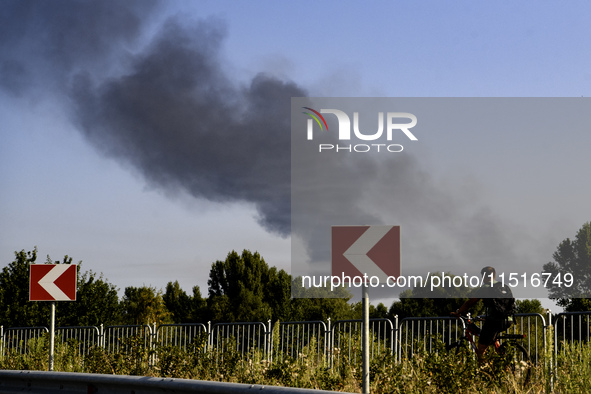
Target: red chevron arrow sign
[(52, 282), (370, 250)]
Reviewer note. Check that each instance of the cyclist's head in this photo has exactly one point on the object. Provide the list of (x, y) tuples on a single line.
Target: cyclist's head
[(486, 271)]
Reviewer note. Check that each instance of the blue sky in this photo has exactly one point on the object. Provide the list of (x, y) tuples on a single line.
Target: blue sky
[(63, 191)]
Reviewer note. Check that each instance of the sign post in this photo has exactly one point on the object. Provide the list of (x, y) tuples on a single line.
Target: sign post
[(365, 345), (52, 336), (370, 252), (52, 282)]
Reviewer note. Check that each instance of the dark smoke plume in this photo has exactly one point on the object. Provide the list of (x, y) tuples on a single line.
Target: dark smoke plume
[(167, 109), (179, 120), (43, 42), (155, 96)]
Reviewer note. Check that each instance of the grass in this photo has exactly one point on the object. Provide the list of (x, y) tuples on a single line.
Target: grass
[(438, 371)]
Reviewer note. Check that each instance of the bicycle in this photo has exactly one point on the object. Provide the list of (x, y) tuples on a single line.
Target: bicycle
[(516, 362)]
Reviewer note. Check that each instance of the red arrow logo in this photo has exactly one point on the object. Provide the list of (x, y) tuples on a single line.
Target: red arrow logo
[(52, 282)]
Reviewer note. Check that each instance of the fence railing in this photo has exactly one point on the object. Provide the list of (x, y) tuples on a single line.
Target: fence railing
[(183, 336), (82, 338), (571, 327), (415, 333), (346, 338), (18, 339), (299, 340), (248, 338), (323, 342)]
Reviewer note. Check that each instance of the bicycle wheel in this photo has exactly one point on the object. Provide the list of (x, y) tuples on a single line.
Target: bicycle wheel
[(518, 363)]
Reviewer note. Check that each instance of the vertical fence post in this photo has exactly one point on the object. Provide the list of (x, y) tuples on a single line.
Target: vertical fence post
[(101, 337), (1, 341), (552, 350), (394, 339), (269, 342), (209, 344), (330, 344), (153, 345)]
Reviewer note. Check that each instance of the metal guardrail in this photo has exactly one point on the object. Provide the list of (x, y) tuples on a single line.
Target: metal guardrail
[(74, 383)]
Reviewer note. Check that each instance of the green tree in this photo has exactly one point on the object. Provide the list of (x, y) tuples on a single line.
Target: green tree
[(199, 312), (96, 299), (378, 312), (178, 303), (243, 288), (572, 258), (528, 306), (277, 292), (96, 302), (144, 305), (15, 308), (320, 303)]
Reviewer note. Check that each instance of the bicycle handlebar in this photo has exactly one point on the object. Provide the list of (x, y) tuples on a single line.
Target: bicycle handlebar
[(469, 318)]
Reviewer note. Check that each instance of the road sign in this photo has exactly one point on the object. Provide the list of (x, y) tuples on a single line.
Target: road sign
[(371, 250), (52, 282)]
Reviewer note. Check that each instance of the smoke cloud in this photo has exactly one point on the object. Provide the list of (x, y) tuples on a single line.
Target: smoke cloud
[(155, 96), (184, 125), (42, 43), (167, 109)]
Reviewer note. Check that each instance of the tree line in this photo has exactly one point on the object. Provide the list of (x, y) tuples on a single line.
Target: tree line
[(243, 287), (240, 288)]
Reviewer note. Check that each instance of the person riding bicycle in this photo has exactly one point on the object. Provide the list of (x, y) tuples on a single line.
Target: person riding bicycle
[(500, 305)]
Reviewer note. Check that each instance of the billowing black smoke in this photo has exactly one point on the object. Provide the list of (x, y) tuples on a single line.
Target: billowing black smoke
[(179, 120), (44, 42), (167, 108), (157, 96)]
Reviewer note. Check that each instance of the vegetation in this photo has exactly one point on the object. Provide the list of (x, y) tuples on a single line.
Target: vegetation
[(425, 372), (244, 288), (241, 288), (573, 257)]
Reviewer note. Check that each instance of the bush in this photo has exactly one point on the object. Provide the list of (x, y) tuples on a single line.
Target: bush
[(438, 371)]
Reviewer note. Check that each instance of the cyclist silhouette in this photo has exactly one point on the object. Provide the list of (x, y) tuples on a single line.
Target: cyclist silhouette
[(499, 303)]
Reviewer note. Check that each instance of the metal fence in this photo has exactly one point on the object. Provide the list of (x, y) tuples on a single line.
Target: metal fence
[(305, 341), (534, 326), (82, 339), (571, 327), (117, 339), (346, 339), (250, 339), (422, 333), (184, 336), (300, 340), (20, 339)]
